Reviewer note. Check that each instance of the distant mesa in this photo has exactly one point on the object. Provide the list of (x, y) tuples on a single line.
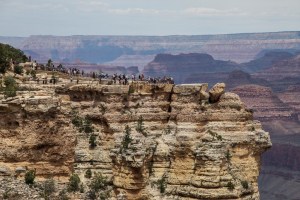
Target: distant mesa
[(181, 66), (266, 61)]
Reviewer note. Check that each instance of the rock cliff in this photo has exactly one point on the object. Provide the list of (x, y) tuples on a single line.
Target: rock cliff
[(152, 141)]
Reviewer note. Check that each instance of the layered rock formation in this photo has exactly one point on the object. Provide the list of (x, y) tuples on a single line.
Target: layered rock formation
[(181, 66), (99, 49), (152, 141), (265, 104), (291, 97), (289, 68)]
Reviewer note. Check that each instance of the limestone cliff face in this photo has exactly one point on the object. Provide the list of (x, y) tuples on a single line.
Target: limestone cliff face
[(153, 141)]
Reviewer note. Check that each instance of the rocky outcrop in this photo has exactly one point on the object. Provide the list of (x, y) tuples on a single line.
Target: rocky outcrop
[(216, 91), (152, 141), (35, 134)]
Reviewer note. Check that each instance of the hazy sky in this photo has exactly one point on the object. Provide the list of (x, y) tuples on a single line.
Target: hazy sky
[(146, 17)]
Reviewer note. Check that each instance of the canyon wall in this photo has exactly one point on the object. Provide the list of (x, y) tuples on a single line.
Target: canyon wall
[(140, 50), (158, 141)]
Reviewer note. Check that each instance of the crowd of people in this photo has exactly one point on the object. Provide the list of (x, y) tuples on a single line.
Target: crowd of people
[(122, 79)]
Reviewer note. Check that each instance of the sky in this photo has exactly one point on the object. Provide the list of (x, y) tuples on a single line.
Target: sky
[(146, 17)]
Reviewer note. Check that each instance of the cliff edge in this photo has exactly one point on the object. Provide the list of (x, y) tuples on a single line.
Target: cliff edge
[(152, 141)]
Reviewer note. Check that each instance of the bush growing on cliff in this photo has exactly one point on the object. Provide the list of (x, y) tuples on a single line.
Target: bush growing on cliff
[(98, 187), (18, 69), (215, 135), (29, 177), (76, 120), (48, 188), (140, 126), (161, 184), (92, 141), (86, 126), (127, 138), (131, 89), (10, 86), (63, 195), (228, 155), (245, 184), (74, 181), (88, 173), (83, 124), (230, 186)]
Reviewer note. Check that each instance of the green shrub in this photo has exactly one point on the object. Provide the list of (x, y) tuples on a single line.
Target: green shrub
[(74, 181), (140, 126), (81, 190), (6, 194), (18, 69), (92, 141), (88, 173), (10, 87), (127, 138), (29, 177), (215, 135), (48, 188), (131, 89), (245, 184), (230, 185), (83, 124), (63, 195), (76, 120), (228, 155), (99, 182), (161, 184), (33, 73), (98, 187), (86, 126), (3, 66)]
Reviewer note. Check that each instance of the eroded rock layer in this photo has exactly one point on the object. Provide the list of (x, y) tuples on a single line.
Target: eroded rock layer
[(152, 141)]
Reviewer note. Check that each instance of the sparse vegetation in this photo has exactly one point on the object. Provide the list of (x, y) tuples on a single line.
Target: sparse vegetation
[(10, 87), (167, 130), (63, 195), (98, 187), (6, 194), (230, 186), (161, 184), (131, 89), (215, 135), (74, 181), (8, 53), (81, 190), (29, 177), (245, 184), (228, 155), (88, 173), (48, 188), (18, 69), (102, 109), (92, 141), (127, 138), (86, 126), (76, 120), (140, 126)]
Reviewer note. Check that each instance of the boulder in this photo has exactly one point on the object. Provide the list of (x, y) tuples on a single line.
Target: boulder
[(216, 91)]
